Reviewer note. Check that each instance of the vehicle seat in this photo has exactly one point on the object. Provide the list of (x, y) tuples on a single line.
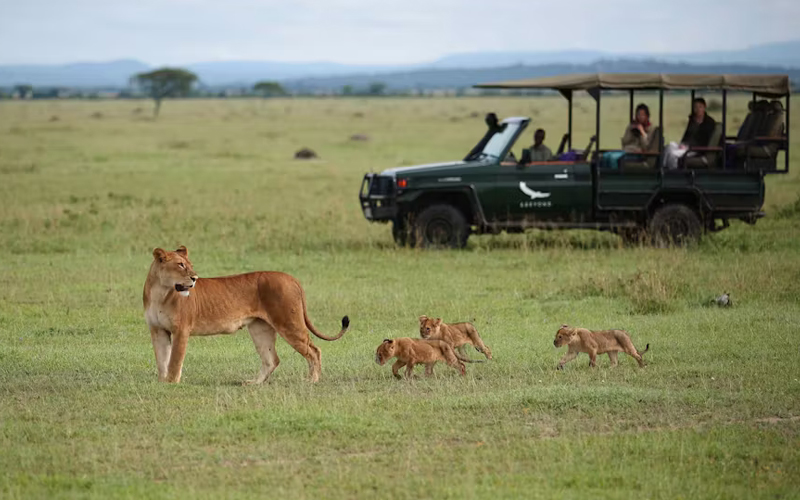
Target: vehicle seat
[(747, 128), (705, 159), (770, 124)]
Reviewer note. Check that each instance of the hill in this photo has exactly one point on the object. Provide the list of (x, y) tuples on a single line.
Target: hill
[(456, 70)]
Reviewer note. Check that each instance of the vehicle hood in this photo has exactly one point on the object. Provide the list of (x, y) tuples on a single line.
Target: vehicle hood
[(426, 168)]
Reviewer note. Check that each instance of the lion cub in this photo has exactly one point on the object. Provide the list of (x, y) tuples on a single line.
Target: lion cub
[(410, 352), (593, 343), (457, 334)]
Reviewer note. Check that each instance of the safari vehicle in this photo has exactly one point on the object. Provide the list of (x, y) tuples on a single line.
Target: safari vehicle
[(634, 196)]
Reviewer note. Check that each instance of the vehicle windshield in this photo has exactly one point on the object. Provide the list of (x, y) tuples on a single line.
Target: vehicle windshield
[(499, 141)]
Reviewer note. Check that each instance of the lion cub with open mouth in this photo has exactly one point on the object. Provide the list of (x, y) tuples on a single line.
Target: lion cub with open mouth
[(410, 352), (595, 342)]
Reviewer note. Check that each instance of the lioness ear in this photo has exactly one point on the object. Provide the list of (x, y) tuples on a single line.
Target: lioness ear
[(159, 254), (387, 341), (437, 321), (423, 319), (183, 251)]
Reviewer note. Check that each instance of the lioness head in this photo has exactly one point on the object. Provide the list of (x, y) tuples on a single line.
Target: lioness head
[(174, 270), (385, 351), (563, 335), (429, 327)]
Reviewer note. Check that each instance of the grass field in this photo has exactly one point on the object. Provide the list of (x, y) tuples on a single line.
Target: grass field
[(88, 189)]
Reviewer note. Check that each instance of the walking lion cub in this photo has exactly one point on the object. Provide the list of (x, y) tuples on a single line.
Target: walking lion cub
[(410, 352), (457, 335), (595, 342)]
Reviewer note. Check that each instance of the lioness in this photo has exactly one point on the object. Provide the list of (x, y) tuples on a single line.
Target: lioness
[(410, 352), (594, 343), (457, 334), (178, 304)]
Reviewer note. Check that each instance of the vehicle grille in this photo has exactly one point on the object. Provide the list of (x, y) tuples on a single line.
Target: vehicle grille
[(382, 185)]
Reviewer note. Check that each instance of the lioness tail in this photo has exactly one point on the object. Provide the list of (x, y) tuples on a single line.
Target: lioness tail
[(646, 348), (310, 325)]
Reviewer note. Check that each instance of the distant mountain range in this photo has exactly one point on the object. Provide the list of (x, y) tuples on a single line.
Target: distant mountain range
[(430, 79), (778, 57)]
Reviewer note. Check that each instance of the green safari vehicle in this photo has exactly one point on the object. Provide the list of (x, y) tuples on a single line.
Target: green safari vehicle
[(635, 195)]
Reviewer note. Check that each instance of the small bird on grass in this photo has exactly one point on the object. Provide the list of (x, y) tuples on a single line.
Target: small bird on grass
[(724, 300)]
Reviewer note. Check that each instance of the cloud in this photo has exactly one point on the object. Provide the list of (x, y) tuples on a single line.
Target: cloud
[(375, 32)]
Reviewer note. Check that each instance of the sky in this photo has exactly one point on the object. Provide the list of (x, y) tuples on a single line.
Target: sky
[(376, 31)]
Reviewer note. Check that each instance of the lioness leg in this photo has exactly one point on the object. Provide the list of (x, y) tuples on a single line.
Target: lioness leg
[(175, 365), (612, 355), (161, 347), (409, 370), (429, 369), (629, 349), (264, 336), (396, 368), (569, 356), (301, 342), (637, 357)]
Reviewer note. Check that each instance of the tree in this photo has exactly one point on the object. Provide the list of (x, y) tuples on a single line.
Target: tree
[(377, 88), (23, 91), (347, 90), (165, 82), (269, 89)]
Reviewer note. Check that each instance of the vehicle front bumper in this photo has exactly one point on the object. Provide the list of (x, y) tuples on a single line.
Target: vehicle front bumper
[(378, 198)]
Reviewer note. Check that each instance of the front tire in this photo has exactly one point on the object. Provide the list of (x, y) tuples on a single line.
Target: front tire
[(441, 226), (675, 225)]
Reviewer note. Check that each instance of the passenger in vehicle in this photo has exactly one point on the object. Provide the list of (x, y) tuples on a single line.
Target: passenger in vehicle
[(540, 152), (698, 132), (637, 134)]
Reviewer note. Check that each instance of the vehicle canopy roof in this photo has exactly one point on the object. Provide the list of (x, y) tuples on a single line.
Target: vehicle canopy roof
[(766, 85)]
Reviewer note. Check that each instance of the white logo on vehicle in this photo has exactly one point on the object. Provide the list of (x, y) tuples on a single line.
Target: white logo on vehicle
[(533, 194)]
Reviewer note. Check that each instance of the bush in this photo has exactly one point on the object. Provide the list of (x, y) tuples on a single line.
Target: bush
[(714, 105)]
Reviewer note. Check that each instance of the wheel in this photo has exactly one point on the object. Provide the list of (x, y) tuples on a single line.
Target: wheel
[(402, 233), (441, 226), (674, 225)]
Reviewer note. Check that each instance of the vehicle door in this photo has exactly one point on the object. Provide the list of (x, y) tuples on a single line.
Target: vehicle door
[(540, 191)]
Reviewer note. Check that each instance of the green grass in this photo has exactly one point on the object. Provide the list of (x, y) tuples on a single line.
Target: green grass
[(86, 197)]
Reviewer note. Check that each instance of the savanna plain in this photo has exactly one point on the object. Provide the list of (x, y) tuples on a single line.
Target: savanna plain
[(88, 189)]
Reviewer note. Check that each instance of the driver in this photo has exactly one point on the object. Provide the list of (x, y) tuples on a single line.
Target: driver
[(540, 152)]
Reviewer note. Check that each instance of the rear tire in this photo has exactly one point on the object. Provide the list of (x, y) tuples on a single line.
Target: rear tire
[(675, 225), (440, 226)]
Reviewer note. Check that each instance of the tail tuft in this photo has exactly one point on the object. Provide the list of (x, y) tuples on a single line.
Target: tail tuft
[(646, 348), (345, 323)]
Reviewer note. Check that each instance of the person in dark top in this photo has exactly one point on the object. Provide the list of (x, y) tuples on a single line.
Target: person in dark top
[(698, 132), (700, 126)]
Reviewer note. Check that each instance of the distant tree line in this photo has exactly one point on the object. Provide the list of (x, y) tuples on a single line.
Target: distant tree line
[(165, 83)]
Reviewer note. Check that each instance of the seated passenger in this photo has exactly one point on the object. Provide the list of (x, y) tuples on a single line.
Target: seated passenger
[(698, 132), (637, 134), (637, 138), (540, 152)]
